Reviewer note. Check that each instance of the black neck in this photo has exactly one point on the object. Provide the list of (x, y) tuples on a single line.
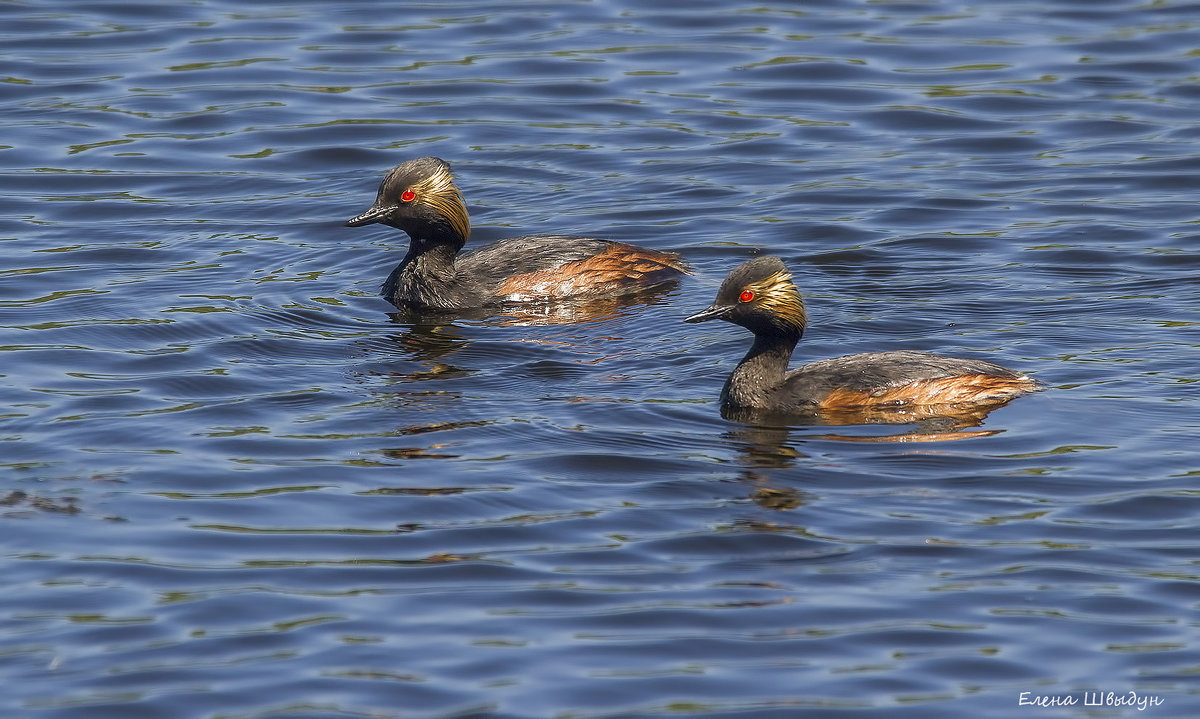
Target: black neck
[(426, 275), (761, 370), (431, 255)]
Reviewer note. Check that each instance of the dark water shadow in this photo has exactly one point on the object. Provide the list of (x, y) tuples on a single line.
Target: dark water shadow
[(764, 450), (427, 338), (927, 423), (574, 311), (431, 337), (766, 442)]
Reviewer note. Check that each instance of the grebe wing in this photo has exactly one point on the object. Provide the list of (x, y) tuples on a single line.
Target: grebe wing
[(879, 371)]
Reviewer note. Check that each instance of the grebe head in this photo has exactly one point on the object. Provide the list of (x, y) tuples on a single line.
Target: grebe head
[(419, 197), (758, 295)]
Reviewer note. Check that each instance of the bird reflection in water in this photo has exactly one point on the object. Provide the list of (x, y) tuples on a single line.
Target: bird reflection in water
[(767, 442), (569, 311), (923, 423), (765, 448), (430, 337)]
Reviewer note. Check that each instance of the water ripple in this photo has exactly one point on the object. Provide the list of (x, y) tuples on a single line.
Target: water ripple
[(237, 482)]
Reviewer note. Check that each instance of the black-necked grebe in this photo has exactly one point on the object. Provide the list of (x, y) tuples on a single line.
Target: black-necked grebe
[(419, 197), (759, 295)]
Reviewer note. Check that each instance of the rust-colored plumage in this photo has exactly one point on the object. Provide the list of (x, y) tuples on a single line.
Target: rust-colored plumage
[(959, 389), (618, 266)]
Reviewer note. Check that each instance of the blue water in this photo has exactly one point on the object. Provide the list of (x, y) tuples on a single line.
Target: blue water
[(233, 483)]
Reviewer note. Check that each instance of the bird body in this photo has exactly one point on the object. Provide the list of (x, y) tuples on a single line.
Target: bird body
[(760, 296), (420, 197)]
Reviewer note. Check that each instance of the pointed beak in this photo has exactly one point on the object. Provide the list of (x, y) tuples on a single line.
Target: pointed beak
[(715, 312), (376, 214)]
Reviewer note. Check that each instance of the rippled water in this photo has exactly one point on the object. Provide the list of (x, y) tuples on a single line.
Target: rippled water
[(234, 484)]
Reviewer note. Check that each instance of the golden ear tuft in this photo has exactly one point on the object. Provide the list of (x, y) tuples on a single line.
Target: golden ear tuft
[(439, 191), (779, 296)]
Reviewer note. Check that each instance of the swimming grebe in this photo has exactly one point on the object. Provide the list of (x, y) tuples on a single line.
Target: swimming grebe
[(759, 295), (419, 197)]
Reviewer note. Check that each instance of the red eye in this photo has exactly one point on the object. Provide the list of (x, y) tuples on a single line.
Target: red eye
[(746, 296), (407, 196)]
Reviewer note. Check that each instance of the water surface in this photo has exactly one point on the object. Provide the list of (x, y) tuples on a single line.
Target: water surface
[(235, 483)]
